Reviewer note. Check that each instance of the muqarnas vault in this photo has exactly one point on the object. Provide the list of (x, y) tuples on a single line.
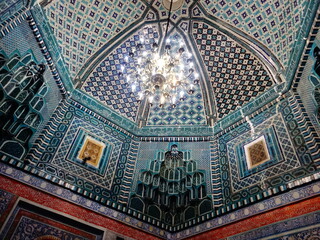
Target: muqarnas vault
[(172, 189)]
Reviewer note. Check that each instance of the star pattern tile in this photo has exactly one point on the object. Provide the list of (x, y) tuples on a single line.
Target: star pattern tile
[(274, 23), (176, 15), (83, 27), (191, 111), (236, 75), (105, 84)]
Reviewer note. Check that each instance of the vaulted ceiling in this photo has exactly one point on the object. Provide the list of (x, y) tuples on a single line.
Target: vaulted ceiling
[(240, 47)]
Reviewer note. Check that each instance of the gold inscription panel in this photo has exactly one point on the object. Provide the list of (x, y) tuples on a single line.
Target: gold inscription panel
[(256, 152), (91, 151)]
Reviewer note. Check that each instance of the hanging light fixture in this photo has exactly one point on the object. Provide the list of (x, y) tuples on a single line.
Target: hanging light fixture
[(159, 73)]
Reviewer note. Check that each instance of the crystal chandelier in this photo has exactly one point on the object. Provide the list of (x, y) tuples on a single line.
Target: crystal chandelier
[(161, 73)]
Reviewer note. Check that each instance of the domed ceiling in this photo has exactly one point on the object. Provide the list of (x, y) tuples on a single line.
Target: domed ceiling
[(241, 49), (248, 134)]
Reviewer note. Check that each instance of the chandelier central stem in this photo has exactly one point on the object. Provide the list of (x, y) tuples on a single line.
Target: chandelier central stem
[(168, 20)]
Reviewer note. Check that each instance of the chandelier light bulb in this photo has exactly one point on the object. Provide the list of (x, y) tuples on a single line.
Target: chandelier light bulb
[(174, 99), (140, 95), (162, 99), (161, 63)]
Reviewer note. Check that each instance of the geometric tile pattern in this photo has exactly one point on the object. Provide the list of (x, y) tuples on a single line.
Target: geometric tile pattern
[(305, 128), (10, 8), (290, 157), (105, 84), (176, 15), (129, 173), (57, 192), (28, 227), (268, 170), (196, 151), (7, 22), (7, 201), (308, 87), (271, 149), (28, 221), (235, 74), (302, 227), (55, 152), (25, 43), (274, 23), (82, 27), (188, 112), (60, 160)]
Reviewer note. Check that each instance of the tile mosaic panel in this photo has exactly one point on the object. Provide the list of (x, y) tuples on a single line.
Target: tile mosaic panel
[(306, 129), (284, 218), (302, 227), (29, 228), (188, 112), (290, 158), (82, 27), (307, 87), (56, 153), (96, 210), (21, 41), (12, 18), (108, 165), (61, 199), (236, 75), (176, 15), (31, 222), (105, 84), (149, 151), (274, 23), (246, 176), (7, 201), (9, 8), (129, 173)]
